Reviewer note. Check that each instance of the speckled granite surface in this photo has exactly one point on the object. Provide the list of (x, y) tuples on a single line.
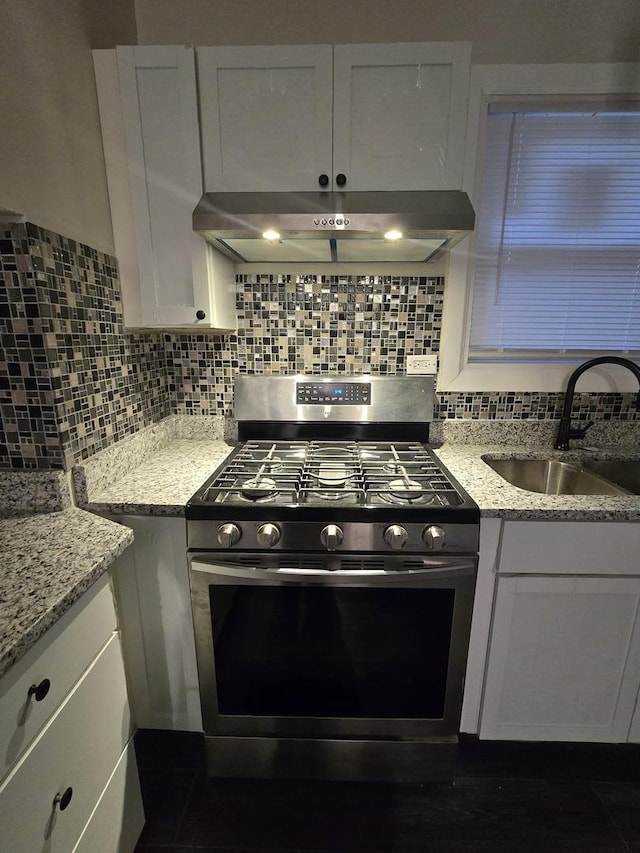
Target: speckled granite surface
[(48, 562), (497, 498), (109, 468), (163, 482), (165, 477), (26, 492)]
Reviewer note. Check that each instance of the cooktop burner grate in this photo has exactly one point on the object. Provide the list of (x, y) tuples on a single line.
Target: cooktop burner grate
[(290, 473)]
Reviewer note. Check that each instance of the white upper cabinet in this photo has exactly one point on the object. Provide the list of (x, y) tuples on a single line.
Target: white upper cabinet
[(266, 117), (149, 115), (352, 117), (399, 115)]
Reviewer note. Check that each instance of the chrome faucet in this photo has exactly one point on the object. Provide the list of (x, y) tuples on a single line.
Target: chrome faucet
[(565, 430)]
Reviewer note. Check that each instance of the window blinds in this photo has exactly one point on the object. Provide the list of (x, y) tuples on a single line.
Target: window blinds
[(558, 240)]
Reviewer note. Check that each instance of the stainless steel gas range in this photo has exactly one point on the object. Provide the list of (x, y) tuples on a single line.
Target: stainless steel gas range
[(332, 564)]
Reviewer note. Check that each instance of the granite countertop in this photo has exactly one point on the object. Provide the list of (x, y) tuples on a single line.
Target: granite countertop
[(163, 482), (499, 499), (160, 480), (49, 560)]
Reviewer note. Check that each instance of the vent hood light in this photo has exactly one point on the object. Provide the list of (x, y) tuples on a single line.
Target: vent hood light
[(343, 226)]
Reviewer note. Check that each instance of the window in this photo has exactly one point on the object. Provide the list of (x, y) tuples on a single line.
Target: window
[(557, 268), (551, 276)]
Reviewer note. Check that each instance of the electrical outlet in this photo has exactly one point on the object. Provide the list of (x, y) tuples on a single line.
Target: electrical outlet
[(422, 364)]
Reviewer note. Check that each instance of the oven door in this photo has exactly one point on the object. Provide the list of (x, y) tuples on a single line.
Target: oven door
[(288, 650)]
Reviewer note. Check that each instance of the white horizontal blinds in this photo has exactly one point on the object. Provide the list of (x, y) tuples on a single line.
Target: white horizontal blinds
[(558, 242)]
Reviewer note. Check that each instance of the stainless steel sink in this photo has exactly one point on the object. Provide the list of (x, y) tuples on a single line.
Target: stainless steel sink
[(625, 472), (553, 477)]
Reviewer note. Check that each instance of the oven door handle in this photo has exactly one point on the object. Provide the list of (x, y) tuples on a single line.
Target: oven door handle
[(446, 569)]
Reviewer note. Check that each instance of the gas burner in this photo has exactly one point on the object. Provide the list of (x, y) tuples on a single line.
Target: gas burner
[(406, 491), (259, 489), (332, 475), (325, 495), (392, 466), (404, 488), (332, 452)]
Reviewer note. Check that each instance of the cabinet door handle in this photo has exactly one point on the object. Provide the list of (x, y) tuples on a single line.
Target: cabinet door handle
[(40, 690), (323, 180), (341, 179), (200, 315), (62, 800)]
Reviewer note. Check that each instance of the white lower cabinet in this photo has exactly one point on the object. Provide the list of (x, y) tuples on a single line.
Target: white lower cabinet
[(114, 826), (154, 606), (38, 683), (49, 797), (564, 652)]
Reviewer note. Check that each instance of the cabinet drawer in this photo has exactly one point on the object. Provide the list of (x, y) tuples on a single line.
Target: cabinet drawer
[(570, 548), (117, 821), (61, 656), (78, 748)]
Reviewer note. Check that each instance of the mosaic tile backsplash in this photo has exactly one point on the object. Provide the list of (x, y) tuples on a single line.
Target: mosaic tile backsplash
[(73, 382), (345, 325)]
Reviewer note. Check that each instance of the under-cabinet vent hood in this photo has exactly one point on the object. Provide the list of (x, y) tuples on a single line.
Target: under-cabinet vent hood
[(324, 226)]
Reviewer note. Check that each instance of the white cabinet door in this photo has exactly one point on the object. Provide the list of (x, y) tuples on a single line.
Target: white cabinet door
[(634, 731), (149, 116), (386, 117), (154, 607), (400, 114), (266, 117), (77, 750), (117, 821), (564, 660), (58, 659)]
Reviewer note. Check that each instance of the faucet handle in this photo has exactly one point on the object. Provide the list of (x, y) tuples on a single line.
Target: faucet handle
[(580, 432)]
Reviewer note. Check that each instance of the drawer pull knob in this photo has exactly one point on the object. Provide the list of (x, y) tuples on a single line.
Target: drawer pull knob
[(62, 800), (200, 315), (40, 690)]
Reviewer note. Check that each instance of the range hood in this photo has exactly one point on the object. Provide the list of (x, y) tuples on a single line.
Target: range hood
[(314, 227)]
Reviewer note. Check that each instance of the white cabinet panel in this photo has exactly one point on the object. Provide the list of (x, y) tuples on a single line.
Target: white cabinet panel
[(59, 657), (386, 116), (564, 662), (154, 604), (149, 116), (400, 115), (117, 821), (78, 748), (490, 529), (266, 117), (570, 548)]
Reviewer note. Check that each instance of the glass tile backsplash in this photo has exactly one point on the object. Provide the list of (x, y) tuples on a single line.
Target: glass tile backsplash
[(72, 381)]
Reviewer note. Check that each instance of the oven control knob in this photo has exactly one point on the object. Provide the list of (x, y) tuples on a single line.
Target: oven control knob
[(331, 536), (228, 535), (434, 538), (268, 535), (396, 536)]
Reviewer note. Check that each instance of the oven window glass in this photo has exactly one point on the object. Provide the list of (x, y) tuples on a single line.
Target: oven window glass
[(331, 652)]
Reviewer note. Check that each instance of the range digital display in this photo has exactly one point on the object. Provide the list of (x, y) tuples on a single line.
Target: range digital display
[(333, 394)]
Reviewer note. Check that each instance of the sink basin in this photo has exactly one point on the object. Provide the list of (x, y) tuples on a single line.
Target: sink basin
[(625, 472), (553, 477)]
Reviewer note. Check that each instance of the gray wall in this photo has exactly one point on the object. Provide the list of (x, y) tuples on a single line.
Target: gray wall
[(500, 30), (51, 160)]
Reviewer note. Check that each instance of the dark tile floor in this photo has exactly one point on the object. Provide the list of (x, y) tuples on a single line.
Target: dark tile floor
[(505, 798)]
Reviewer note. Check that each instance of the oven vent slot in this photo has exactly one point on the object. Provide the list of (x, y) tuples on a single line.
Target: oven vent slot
[(358, 565), (412, 565), (309, 563)]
